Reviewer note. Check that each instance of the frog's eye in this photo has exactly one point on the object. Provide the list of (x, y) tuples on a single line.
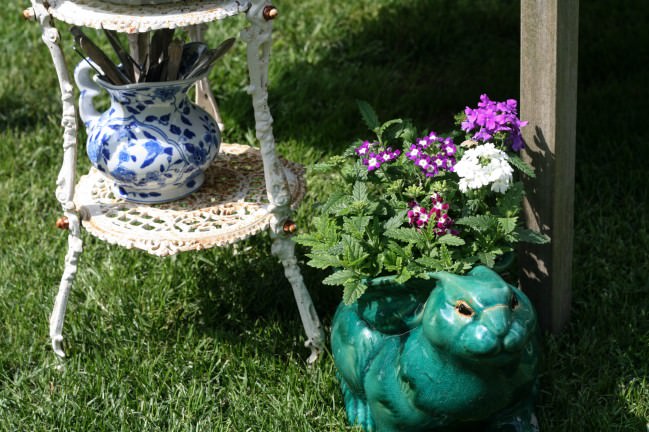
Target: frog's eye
[(464, 309), (513, 303)]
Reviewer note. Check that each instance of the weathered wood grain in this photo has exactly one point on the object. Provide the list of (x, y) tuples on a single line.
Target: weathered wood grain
[(549, 46)]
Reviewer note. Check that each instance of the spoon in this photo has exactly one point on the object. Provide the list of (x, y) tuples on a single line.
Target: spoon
[(207, 59)]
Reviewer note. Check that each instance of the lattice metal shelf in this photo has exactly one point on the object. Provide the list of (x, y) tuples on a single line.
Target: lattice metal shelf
[(231, 205), (140, 19)]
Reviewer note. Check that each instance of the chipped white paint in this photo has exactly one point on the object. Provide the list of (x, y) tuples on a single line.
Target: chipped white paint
[(258, 38), (66, 178)]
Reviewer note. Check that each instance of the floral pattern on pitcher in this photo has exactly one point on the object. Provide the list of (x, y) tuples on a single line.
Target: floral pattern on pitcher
[(152, 142)]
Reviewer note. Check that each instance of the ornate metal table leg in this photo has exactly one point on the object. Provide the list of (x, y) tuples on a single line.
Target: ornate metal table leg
[(284, 249), (66, 180), (204, 96), (258, 39)]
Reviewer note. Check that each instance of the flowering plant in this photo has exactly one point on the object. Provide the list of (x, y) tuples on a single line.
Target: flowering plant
[(409, 204)]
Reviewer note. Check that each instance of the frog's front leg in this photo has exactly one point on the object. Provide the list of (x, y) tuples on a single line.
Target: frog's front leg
[(357, 408)]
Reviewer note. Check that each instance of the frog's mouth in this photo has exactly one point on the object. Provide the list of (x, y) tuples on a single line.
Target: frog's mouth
[(494, 349)]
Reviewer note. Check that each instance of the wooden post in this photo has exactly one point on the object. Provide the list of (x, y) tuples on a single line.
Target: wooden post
[(549, 33)]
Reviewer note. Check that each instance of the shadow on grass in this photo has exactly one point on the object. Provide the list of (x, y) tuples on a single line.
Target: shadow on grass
[(244, 298), (422, 59), (20, 113)]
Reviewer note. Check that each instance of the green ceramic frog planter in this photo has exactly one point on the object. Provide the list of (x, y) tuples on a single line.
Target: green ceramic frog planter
[(464, 358)]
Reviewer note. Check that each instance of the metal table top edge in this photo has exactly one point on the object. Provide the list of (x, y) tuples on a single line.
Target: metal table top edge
[(139, 19)]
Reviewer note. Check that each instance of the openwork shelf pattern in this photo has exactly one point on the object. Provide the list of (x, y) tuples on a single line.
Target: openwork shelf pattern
[(231, 205), (140, 19)]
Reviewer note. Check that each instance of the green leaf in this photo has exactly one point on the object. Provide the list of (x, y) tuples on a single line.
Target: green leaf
[(507, 225), (393, 126), (338, 204), (356, 225), (335, 249), (333, 200), (326, 229), (459, 118), (395, 186), (473, 205), (353, 290), (478, 223), (446, 259), (353, 253), (409, 235), (329, 164), (340, 277), (404, 276), (369, 115), (414, 191), (451, 240), (487, 258), (395, 221), (399, 250), (530, 236), (308, 240), (323, 261), (359, 193), (432, 264), (521, 165), (469, 261), (510, 203)]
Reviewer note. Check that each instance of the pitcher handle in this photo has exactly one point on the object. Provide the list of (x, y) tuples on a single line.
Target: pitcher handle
[(88, 90)]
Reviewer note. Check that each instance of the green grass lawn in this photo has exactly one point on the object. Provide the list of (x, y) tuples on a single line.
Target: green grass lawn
[(212, 341)]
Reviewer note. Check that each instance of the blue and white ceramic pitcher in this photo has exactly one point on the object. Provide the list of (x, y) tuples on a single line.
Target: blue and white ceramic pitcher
[(153, 142)]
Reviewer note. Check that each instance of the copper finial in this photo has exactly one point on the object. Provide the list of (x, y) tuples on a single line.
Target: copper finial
[(289, 227), (270, 12), (63, 223), (29, 14)]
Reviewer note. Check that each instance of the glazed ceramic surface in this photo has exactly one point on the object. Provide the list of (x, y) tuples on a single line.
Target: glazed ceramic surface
[(152, 141), (464, 358)]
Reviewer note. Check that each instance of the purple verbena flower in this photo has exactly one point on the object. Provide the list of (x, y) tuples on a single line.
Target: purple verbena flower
[(373, 156), (448, 148), (423, 143), (363, 149), (491, 117), (373, 162), (442, 231), (517, 142), (438, 215), (440, 207), (417, 215), (444, 221), (423, 219), (414, 153), (431, 159), (423, 162), (431, 171)]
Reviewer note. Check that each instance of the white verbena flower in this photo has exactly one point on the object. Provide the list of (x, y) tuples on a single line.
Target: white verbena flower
[(484, 165)]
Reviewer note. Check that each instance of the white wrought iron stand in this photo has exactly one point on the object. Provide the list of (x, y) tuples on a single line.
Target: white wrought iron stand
[(246, 190)]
